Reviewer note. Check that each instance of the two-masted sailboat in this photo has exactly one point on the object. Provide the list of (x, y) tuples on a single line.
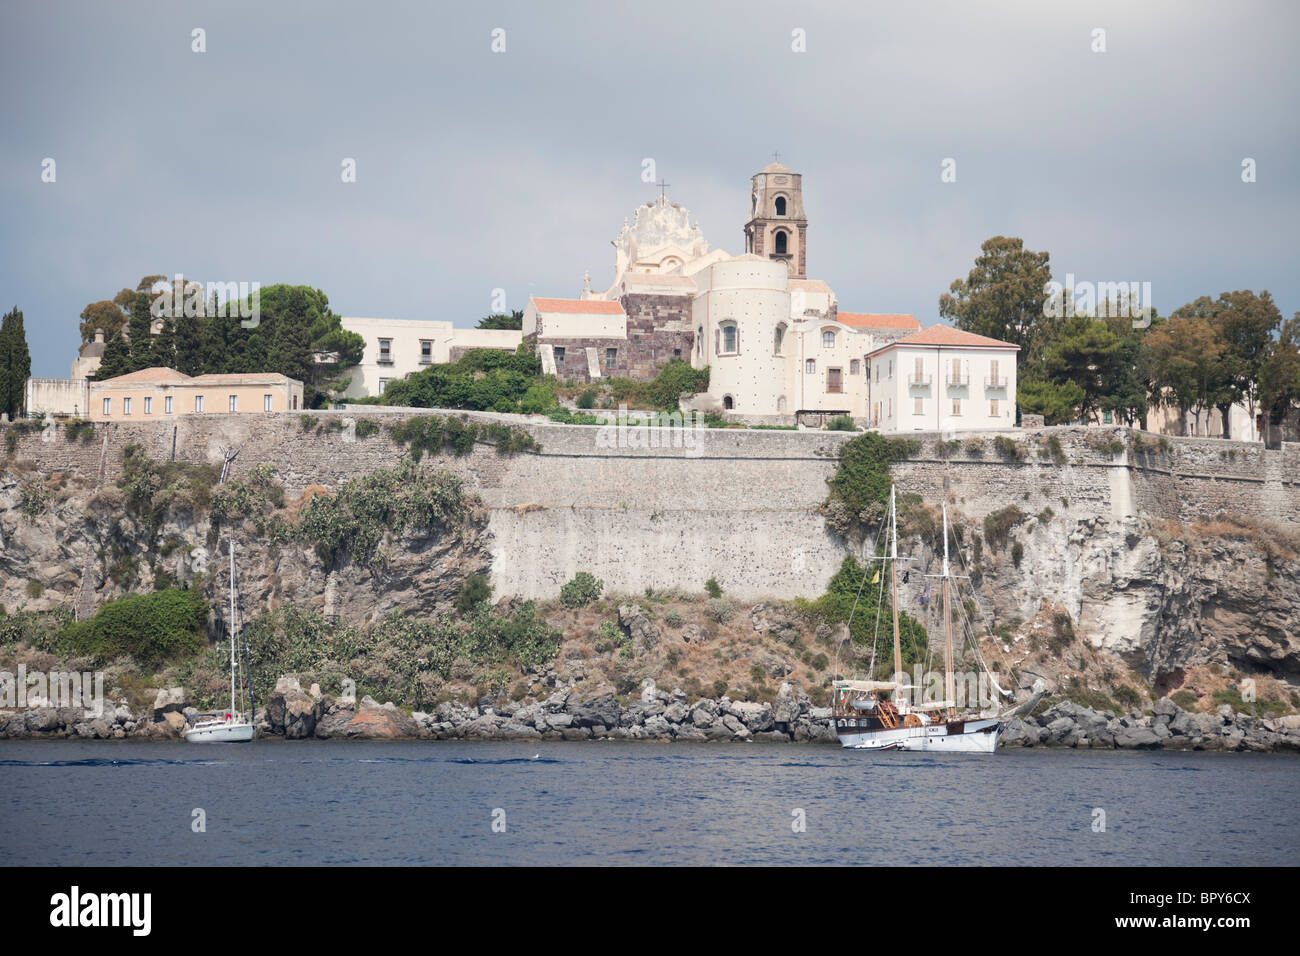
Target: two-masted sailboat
[(230, 727), (877, 715)]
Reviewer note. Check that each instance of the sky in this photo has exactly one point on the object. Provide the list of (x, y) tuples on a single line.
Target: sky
[(479, 170)]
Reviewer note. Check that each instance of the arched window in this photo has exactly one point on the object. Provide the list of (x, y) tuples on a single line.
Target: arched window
[(699, 340), (780, 405), (780, 243), (728, 402), (780, 205), (778, 339), (828, 339), (730, 338)]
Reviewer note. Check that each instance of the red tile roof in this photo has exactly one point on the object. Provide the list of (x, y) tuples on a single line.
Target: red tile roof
[(947, 336), (578, 306), (878, 320)]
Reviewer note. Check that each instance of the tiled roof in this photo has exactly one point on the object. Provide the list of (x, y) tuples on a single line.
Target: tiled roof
[(157, 374), (946, 335), (578, 306), (879, 320)]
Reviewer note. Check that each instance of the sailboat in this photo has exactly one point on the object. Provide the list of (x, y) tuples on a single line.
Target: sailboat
[(229, 727), (877, 715)]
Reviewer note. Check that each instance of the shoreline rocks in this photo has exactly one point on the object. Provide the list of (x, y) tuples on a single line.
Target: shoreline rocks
[(295, 714)]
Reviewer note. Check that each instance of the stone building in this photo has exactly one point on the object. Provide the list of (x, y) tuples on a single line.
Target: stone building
[(775, 341)]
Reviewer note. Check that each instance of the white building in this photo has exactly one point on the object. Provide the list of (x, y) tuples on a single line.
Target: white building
[(397, 347), (942, 379)]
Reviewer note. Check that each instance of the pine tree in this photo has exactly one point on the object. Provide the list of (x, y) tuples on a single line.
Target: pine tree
[(15, 363), (289, 352), (216, 354)]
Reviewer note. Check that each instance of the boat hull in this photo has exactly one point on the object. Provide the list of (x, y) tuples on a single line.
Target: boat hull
[(221, 734), (967, 736)]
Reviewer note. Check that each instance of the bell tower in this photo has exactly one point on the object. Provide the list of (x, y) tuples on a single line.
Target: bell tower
[(777, 227)]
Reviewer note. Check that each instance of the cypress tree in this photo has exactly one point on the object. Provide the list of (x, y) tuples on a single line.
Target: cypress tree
[(140, 323), (15, 363), (163, 351), (189, 345), (117, 358)]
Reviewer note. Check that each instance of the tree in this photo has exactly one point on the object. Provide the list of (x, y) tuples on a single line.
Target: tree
[(1185, 357), (117, 358), (289, 352), (105, 314), (1084, 351), (1244, 323), (162, 352), (189, 345), (1127, 390), (15, 363), (1279, 376), (139, 328), (499, 320), (1055, 401), (1003, 297)]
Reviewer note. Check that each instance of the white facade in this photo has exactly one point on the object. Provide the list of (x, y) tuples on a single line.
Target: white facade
[(943, 379), (397, 347)]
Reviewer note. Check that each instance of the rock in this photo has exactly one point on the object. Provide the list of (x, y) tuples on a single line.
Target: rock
[(380, 723), (689, 732), (772, 736), (334, 722), (603, 710), (645, 636), (676, 713), (648, 690), (576, 733), (787, 706), (1165, 707), (1138, 738), (169, 701), (657, 726), (756, 717)]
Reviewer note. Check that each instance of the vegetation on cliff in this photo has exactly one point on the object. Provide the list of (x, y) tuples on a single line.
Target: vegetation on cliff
[(859, 489)]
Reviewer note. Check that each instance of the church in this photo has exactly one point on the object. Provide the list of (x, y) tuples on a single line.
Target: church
[(777, 344)]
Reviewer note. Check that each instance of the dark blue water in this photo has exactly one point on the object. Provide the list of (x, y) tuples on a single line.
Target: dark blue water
[(316, 802)]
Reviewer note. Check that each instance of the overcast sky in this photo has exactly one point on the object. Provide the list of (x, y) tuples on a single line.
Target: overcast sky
[(479, 170)]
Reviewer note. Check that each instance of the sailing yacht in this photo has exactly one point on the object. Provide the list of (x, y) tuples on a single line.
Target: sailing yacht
[(877, 715), (230, 727)]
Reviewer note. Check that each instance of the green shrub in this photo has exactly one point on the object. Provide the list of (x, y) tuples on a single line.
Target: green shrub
[(474, 590), (150, 628), (11, 441), (1007, 448), (998, 525), (365, 428), (841, 423), (33, 498), (435, 434), (587, 399), (1017, 553), (859, 489), (974, 446), (581, 591), (712, 588), (719, 609), (308, 422), (673, 619), (719, 687), (1126, 696), (1184, 699), (35, 589)]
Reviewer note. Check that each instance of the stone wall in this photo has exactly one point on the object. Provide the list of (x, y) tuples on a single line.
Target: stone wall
[(738, 505)]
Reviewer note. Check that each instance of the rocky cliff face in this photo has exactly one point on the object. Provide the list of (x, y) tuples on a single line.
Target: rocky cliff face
[(82, 548), (1160, 596)]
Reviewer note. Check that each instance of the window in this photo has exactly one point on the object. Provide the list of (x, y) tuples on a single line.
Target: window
[(677, 353), (918, 406), (728, 402), (956, 406), (828, 339), (780, 205), (1105, 416), (889, 408), (108, 406), (233, 404), (559, 353), (611, 358), (834, 380), (780, 243), (778, 339), (167, 404), (993, 407), (426, 352), (919, 369), (994, 381), (810, 367), (126, 406), (383, 384), (891, 369), (266, 403), (148, 405), (385, 351), (855, 367), (730, 338), (198, 403), (699, 340)]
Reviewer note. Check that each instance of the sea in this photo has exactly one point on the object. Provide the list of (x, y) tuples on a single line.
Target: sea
[(340, 803)]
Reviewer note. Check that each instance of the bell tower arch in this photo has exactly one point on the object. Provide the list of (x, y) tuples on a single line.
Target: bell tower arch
[(777, 227)]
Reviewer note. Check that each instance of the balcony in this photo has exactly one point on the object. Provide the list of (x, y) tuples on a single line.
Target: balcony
[(995, 381), (385, 360), (918, 381), (961, 380)]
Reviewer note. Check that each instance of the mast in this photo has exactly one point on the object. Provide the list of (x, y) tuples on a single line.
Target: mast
[(893, 573), (231, 628), (948, 689)]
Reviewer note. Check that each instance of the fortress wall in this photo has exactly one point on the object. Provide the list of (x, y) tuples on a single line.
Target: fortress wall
[(738, 505)]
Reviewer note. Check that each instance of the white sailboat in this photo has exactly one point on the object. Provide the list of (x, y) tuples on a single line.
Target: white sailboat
[(877, 715), (230, 727)]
